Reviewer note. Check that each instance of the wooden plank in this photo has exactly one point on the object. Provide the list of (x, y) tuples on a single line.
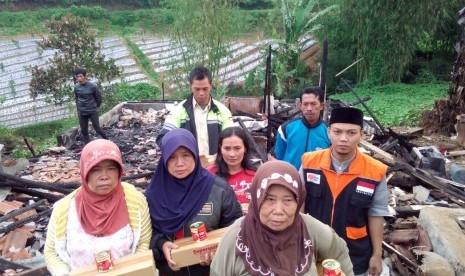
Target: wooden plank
[(456, 184), (381, 154), (413, 132), (456, 153), (42, 270)]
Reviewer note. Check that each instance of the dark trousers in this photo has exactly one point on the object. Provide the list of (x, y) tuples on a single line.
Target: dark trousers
[(84, 124)]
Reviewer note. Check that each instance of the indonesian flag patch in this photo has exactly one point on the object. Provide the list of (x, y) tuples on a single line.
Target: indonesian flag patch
[(365, 188), (313, 178)]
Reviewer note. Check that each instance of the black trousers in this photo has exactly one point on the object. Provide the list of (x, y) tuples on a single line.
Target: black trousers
[(84, 124)]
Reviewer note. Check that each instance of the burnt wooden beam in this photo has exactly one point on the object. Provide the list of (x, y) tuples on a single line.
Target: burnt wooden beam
[(35, 184), (22, 210), (278, 114), (243, 113), (404, 259), (46, 186), (50, 197), (391, 142), (136, 176), (380, 154), (407, 211), (31, 149), (383, 130), (7, 180), (42, 270), (19, 223)]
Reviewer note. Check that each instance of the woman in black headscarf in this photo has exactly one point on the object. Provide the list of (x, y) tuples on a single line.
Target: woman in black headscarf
[(274, 238), (182, 192)]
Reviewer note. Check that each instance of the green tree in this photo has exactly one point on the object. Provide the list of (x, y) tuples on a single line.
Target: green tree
[(300, 20), (385, 33), (202, 31), (76, 46)]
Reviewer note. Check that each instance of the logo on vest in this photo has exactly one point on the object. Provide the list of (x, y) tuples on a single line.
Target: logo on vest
[(207, 209), (313, 178), (365, 188)]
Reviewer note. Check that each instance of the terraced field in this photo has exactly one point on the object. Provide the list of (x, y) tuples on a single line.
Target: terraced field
[(18, 56)]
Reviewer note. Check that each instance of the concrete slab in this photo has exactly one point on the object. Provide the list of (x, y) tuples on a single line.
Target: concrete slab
[(434, 264), (14, 167), (446, 235)]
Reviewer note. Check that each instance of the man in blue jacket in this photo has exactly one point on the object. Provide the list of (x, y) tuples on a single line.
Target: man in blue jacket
[(304, 133)]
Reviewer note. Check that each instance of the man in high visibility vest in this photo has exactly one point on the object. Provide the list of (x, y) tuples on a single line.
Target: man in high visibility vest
[(347, 190)]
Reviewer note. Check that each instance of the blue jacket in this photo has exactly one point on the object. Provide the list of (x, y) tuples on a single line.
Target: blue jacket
[(296, 137)]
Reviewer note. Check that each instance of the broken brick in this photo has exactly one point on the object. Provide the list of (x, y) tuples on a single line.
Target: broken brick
[(6, 207), (23, 254), (16, 239)]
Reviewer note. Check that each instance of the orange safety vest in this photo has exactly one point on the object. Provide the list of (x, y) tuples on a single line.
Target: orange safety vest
[(342, 200)]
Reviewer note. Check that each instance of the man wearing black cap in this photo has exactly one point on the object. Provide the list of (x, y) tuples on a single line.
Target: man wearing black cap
[(347, 190)]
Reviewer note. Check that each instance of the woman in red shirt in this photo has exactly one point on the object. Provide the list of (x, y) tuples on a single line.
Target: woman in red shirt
[(233, 163)]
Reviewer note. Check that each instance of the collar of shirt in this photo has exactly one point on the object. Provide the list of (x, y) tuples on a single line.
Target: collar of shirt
[(341, 166), (196, 105)]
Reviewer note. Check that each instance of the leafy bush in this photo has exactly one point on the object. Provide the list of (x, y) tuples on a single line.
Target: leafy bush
[(425, 76), (123, 18), (8, 138), (124, 92), (95, 12)]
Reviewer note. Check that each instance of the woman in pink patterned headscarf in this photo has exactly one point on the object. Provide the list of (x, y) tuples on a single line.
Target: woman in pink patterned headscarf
[(104, 212)]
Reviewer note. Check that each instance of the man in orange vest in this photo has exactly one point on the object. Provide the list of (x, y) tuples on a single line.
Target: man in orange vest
[(347, 190)]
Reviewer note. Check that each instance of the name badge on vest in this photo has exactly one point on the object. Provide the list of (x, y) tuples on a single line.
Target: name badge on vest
[(207, 209), (313, 178), (365, 188)]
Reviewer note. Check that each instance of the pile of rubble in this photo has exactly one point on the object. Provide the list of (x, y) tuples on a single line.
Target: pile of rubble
[(422, 197), (30, 188)]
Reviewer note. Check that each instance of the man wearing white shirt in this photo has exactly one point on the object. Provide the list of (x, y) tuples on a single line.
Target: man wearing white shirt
[(202, 115)]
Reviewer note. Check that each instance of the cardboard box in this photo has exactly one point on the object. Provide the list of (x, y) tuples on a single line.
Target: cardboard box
[(140, 264), (191, 252)]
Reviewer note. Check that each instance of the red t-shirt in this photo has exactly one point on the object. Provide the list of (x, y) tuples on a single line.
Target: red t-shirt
[(240, 182)]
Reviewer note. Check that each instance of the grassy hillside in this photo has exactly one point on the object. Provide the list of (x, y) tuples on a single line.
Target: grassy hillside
[(397, 103), (120, 22)]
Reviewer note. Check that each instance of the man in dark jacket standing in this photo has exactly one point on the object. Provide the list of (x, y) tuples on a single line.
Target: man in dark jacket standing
[(88, 99)]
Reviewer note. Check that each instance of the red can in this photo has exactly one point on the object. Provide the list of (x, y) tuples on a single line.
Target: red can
[(104, 260), (331, 267), (198, 231)]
